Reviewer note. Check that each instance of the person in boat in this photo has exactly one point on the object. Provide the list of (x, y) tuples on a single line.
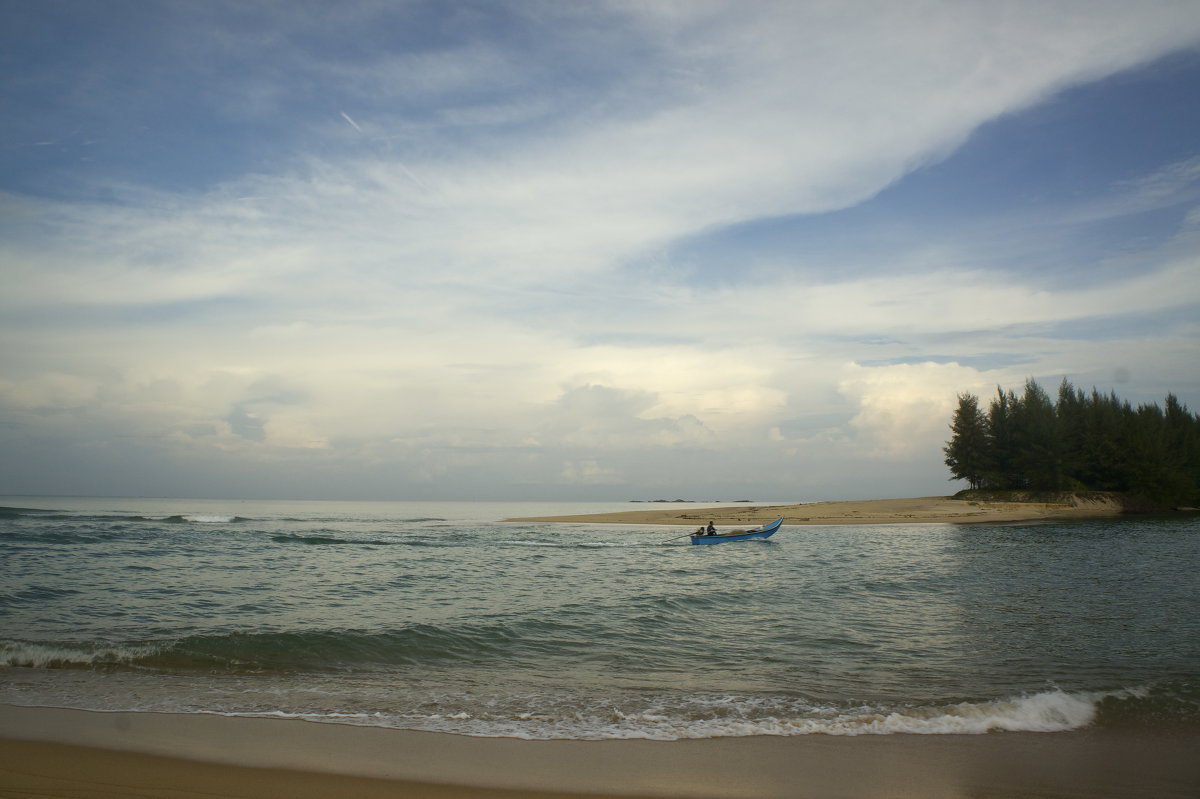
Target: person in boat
[(710, 530)]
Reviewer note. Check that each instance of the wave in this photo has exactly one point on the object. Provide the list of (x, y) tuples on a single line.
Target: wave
[(195, 518), (15, 513), (181, 518), (341, 519), (1050, 711), (607, 715), (311, 539), (290, 652), (691, 716), (382, 657), (286, 669), (328, 540), (296, 538), (46, 655), (721, 716), (1164, 705), (35, 596)]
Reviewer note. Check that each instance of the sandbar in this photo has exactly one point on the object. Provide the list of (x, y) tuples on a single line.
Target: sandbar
[(53, 752), (917, 510)]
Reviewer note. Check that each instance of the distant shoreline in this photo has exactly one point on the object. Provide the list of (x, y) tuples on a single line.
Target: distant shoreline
[(917, 510)]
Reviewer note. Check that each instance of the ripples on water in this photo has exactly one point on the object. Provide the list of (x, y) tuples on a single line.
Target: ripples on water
[(435, 616)]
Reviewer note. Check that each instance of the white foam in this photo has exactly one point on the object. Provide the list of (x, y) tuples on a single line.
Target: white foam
[(1052, 711), (34, 655), (548, 716)]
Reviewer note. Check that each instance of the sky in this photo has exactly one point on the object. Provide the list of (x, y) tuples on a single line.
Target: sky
[(598, 251)]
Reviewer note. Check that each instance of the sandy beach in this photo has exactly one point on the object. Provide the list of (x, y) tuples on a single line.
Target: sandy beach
[(71, 753), (918, 510)]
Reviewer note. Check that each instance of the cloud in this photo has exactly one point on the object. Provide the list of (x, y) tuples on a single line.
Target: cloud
[(49, 391), (599, 418), (904, 410), (517, 313)]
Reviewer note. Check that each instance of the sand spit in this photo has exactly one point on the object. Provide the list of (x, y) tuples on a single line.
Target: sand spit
[(918, 510)]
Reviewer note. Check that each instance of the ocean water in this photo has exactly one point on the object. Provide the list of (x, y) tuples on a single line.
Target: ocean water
[(439, 616)]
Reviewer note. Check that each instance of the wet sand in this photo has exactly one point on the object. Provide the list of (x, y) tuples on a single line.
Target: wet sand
[(69, 753), (919, 510)]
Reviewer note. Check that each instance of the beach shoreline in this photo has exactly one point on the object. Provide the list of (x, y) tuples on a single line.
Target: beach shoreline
[(61, 752), (914, 510)]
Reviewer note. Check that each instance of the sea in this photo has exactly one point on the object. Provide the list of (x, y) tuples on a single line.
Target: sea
[(442, 616)]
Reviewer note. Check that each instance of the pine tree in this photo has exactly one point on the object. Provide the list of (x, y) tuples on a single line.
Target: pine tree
[(966, 453), (1084, 442), (1183, 447), (1002, 471), (1069, 413), (1037, 456)]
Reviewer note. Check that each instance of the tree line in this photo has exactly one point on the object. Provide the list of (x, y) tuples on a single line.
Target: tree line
[(1081, 442)]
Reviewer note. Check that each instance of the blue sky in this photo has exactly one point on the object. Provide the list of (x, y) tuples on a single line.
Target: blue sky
[(562, 250)]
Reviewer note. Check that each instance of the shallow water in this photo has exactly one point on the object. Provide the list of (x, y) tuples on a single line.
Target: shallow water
[(438, 616)]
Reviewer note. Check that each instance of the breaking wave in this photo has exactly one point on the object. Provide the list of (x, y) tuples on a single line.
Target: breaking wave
[(695, 716), (195, 518)]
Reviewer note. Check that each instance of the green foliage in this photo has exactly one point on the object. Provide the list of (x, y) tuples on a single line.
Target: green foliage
[(966, 453), (1079, 443)]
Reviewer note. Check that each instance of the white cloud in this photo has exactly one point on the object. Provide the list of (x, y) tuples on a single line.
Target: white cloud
[(589, 471), (49, 391), (904, 410), (436, 291)]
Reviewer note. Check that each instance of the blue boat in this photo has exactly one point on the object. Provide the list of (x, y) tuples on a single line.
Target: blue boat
[(766, 531)]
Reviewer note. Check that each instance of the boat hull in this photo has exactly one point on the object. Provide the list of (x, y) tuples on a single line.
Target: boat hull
[(766, 531)]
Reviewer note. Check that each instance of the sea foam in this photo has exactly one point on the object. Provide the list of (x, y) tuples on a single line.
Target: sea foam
[(1051, 711)]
